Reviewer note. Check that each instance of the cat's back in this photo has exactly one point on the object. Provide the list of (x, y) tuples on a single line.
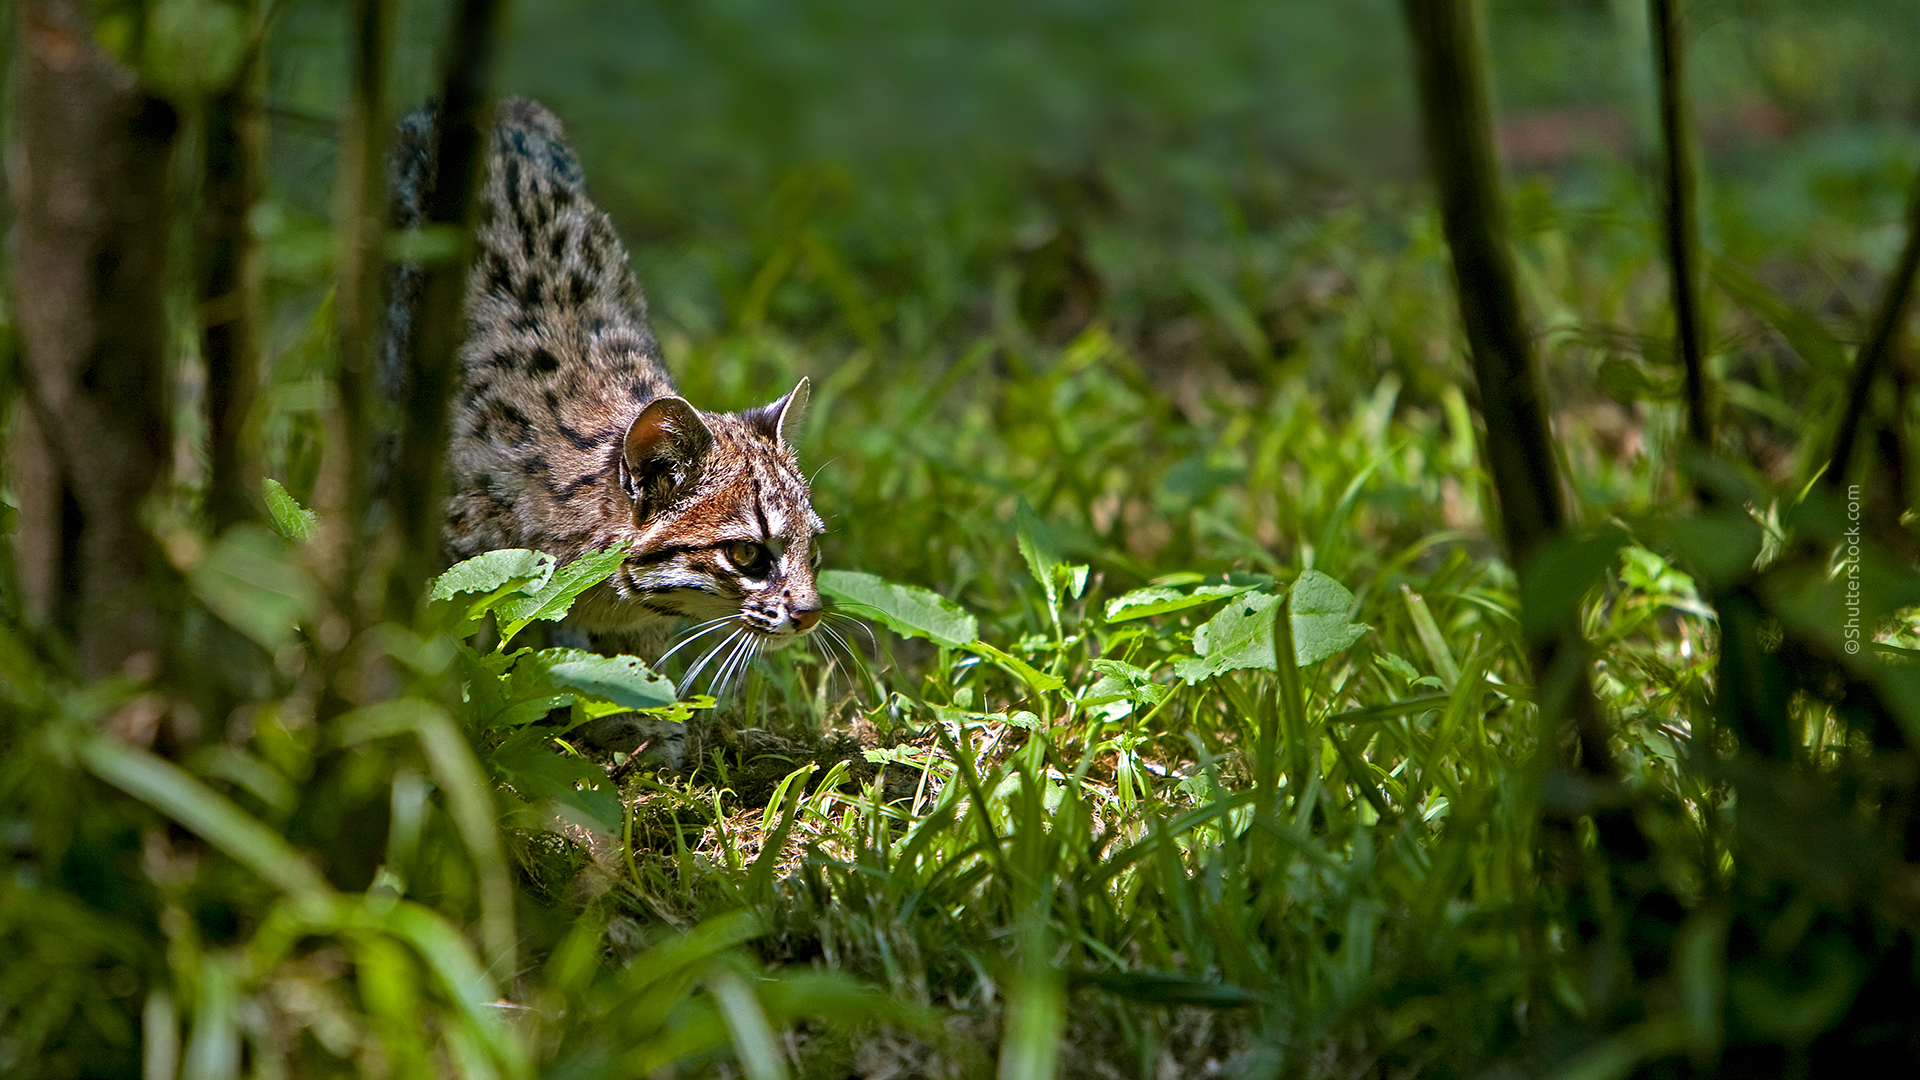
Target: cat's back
[(557, 358)]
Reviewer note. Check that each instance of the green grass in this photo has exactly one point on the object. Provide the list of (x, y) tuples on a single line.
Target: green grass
[(1125, 313)]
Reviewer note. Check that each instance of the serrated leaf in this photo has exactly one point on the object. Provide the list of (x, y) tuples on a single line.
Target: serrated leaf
[(905, 609), (1136, 682), (623, 680), (290, 519), (1036, 547), (1160, 600), (552, 600), (527, 761), (494, 570)]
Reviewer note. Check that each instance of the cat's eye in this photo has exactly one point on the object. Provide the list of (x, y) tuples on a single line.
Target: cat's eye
[(815, 559), (747, 556)]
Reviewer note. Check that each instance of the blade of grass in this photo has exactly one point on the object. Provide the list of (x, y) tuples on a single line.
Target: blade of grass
[(207, 814)]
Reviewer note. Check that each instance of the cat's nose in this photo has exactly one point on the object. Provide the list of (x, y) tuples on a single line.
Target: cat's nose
[(804, 619)]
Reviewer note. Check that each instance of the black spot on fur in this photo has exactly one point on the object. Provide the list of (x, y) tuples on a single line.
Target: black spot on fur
[(557, 243), (578, 286), (499, 280), (543, 362), (511, 416), (580, 440)]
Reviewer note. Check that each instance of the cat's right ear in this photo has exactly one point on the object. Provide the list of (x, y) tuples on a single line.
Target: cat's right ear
[(665, 447)]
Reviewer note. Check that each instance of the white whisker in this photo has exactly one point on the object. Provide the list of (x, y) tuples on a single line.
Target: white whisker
[(832, 638), (687, 682), (735, 665), (851, 621), (693, 634)]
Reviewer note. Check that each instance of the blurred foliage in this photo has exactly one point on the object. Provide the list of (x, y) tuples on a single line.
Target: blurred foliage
[(1135, 370)]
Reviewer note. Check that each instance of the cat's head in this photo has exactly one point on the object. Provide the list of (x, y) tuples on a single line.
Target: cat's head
[(724, 527)]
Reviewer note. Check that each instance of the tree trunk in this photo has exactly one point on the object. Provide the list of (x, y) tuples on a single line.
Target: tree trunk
[(88, 173)]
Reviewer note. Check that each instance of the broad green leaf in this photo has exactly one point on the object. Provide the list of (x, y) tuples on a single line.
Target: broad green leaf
[(1718, 545), (249, 581), (494, 570), (1240, 636), (528, 761), (552, 601), (905, 609), (623, 680), (1320, 624), (1560, 573), (290, 519), (1160, 600)]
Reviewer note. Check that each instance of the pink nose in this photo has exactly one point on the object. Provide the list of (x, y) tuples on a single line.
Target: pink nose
[(805, 620)]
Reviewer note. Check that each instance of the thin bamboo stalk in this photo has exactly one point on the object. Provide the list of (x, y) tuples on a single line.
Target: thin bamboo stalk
[(1889, 322), (1457, 120), (1680, 215)]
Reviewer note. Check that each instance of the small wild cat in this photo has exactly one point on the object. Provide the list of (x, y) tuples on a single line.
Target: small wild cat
[(568, 437)]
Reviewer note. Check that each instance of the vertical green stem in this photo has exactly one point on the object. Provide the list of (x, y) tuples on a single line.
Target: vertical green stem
[(1459, 134), (1889, 320), (1679, 213)]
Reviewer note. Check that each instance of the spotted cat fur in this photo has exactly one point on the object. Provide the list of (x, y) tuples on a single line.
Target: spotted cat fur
[(568, 435)]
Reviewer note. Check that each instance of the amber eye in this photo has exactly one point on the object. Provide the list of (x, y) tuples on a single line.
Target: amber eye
[(747, 555)]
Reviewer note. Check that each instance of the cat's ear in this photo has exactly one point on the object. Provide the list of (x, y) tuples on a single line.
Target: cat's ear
[(781, 420), (664, 449)]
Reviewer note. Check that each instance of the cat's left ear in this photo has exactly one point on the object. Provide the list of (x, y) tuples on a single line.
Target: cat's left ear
[(781, 420)]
